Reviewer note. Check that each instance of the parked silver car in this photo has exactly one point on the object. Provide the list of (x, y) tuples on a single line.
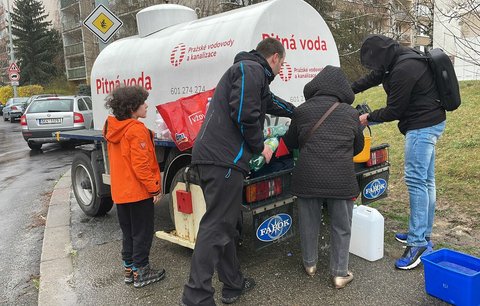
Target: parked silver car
[(45, 116), (14, 109)]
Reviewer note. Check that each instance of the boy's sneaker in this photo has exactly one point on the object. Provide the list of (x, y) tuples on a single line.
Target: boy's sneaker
[(128, 275), (402, 237), (248, 284), (146, 275), (411, 257)]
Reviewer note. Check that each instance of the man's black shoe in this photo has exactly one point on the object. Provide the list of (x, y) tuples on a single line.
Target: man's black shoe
[(248, 284)]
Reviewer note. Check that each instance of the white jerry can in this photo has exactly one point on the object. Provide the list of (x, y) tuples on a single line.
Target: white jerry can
[(367, 233)]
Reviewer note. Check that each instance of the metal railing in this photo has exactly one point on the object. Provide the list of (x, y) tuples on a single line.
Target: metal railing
[(77, 73), (71, 25), (74, 49)]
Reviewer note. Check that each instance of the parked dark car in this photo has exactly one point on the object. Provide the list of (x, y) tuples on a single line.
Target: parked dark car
[(14, 109), (1, 108)]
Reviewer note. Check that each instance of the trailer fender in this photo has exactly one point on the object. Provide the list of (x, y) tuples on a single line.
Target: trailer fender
[(103, 190), (177, 163)]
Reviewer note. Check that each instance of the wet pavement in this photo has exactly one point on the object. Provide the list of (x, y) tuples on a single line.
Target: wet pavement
[(97, 271), (26, 181)]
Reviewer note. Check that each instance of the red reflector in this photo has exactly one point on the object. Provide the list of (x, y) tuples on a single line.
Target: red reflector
[(78, 118), (23, 120), (184, 202)]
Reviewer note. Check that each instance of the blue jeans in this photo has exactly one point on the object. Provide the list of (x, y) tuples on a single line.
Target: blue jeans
[(420, 180)]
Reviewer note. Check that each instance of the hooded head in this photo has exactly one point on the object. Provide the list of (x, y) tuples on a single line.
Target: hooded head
[(331, 81), (378, 52)]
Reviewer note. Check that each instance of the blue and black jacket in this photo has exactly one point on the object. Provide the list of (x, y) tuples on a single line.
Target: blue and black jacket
[(233, 127)]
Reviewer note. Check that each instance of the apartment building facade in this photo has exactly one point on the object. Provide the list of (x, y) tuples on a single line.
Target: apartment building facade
[(80, 46), (459, 37), (4, 46)]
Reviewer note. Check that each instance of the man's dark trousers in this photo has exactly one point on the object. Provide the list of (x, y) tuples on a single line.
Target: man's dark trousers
[(215, 245)]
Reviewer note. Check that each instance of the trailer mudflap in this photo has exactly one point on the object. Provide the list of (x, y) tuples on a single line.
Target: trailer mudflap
[(374, 184), (273, 223)]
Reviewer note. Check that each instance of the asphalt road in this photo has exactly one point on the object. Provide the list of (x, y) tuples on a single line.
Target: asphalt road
[(26, 181), (98, 280)]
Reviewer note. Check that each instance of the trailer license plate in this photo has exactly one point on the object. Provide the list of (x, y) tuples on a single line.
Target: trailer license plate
[(50, 121)]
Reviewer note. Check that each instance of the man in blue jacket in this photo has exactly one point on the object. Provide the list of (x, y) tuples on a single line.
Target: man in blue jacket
[(412, 99), (231, 133)]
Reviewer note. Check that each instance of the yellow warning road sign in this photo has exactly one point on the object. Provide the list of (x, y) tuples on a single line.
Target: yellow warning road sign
[(103, 23)]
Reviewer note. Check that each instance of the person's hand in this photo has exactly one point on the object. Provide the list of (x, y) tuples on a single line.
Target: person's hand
[(363, 119), (267, 153), (157, 198)]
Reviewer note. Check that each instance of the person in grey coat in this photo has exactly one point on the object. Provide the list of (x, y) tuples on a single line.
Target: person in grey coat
[(325, 172)]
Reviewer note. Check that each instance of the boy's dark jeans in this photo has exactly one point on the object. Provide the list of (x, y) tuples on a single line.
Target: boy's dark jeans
[(136, 221)]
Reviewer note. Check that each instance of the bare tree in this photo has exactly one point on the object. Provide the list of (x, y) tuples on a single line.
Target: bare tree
[(464, 15)]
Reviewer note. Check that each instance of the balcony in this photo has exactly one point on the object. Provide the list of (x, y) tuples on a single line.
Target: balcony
[(74, 49), (67, 26), (66, 3), (77, 73)]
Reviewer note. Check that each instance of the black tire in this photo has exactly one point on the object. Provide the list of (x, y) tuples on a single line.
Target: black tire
[(177, 178), (5, 118), (85, 190), (34, 146), (12, 120)]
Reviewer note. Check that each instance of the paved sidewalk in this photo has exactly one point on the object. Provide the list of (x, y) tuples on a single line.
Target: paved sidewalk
[(56, 262)]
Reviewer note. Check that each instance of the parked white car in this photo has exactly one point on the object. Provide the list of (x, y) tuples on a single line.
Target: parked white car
[(45, 116), (14, 109)]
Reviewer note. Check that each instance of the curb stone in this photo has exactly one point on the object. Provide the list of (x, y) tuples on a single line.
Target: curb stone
[(56, 266)]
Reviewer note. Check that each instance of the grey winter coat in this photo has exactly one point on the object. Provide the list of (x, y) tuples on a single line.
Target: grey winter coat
[(325, 165)]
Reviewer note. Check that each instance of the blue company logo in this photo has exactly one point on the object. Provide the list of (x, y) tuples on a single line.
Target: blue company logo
[(274, 227), (375, 188)]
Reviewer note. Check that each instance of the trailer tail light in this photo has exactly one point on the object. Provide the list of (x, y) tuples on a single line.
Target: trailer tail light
[(378, 157), (263, 190), (78, 118), (23, 120)]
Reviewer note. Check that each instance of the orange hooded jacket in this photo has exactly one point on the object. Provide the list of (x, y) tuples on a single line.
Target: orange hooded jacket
[(134, 170)]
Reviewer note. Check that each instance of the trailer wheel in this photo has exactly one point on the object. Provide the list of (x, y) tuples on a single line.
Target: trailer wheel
[(176, 179), (84, 188)]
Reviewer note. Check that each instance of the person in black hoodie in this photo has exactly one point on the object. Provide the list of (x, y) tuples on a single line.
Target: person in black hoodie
[(231, 133), (325, 170), (412, 99)]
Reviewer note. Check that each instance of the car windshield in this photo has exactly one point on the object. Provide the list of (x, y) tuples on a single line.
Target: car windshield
[(49, 106)]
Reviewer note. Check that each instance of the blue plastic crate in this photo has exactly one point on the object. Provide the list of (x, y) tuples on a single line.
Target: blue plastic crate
[(453, 277)]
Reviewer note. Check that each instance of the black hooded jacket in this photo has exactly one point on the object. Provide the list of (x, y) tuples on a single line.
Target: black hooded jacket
[(325, 165), (233, 127), (409, 85)]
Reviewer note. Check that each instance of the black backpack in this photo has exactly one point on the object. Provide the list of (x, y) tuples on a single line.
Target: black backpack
[(444, 75)]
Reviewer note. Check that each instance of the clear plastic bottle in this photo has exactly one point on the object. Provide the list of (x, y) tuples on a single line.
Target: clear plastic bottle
[(275, 131), (258, 161)]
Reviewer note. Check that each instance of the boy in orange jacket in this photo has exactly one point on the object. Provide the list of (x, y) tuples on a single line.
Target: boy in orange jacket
[(135, 180)]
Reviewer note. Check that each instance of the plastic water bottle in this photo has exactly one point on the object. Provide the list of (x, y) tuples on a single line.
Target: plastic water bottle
[(258, 161), (275, 131)]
